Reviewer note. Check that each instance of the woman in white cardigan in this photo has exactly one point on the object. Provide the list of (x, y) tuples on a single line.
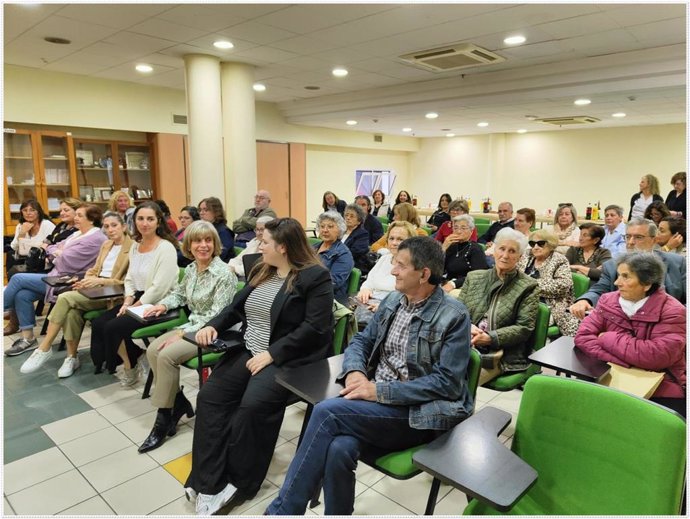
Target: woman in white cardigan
[(151, 275)]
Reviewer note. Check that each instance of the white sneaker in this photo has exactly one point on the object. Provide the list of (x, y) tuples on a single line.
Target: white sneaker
[(190, 494), (68, 367), (209, 504), (35, 361), (131, 376)]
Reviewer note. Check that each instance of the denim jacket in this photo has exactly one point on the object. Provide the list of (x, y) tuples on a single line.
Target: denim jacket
[(338, 260), (437, 357)]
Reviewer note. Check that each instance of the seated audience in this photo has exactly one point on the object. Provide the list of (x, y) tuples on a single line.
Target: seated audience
[(333, 253), (649, 192), (236, 264), (207, 287), (455, 208), (72, 256), (675, 201), (152, 273), (640, 237), (505, 220), (525, 219), (671, 235), (394, 400), (614, 229), (188, 214), (402, 198), (656, 211), (33, 229), (503, 304), (462, 254), (380, 282), (551, 270), (588, 258), (403, 212), (565, 227), (356, 238), (331, 202), (166, 213), (371, 223), (441, 214), (121, 202), (244, 226), (288, 310), (641, 326), (211, 210), (68, 314), (380, 207)]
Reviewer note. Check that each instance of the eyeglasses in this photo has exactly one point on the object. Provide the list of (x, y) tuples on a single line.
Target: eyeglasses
[(541, 243), (460, 228), (635, 237), (260, 197)]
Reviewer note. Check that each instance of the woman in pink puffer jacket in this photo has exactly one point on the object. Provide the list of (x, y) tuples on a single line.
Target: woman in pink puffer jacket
[(640, 326)]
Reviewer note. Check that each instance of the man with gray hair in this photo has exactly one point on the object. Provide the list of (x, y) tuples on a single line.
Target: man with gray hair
[(244, 226), (614, 229), (405, 378), (505, 219), (639, 236)]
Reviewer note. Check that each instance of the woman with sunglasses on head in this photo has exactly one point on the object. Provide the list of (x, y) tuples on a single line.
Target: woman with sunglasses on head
[(588, 258), (565, 227), (552, 271), (286, 311)]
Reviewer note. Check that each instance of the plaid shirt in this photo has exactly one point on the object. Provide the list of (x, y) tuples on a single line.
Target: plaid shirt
[(395, 347)]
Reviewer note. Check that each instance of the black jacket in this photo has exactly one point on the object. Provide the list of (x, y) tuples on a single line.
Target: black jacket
[(301, 321), (492, 231), (373, 226)]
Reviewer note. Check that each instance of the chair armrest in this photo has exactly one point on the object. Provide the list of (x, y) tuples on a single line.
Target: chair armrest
[(471, 458), (162, 324)]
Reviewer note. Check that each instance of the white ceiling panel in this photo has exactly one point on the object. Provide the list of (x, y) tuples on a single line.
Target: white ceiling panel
[(118, 16), (24, 16), (307, 18), (579, 25), (127, 72), (166, 30), (257, 33), (145, 44), (267, 54), (665, 32), (75, 66), (636, 14), (205, 17)]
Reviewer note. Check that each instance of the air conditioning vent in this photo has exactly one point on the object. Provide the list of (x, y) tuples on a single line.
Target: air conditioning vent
[(569, 121), (452, 57), (179, 119), (378, 138)]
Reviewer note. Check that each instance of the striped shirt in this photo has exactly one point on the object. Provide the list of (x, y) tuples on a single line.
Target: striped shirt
[(258, 311)]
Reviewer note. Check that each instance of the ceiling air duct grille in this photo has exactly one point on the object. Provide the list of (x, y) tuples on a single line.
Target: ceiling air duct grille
[(452, 57), (569, 121)]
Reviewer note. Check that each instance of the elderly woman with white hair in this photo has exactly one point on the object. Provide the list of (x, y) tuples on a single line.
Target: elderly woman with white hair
[(333, 253), (462, 254), (503, 304), (236, 264)]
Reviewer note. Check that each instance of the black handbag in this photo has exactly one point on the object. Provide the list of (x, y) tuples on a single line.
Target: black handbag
[(36, 260)]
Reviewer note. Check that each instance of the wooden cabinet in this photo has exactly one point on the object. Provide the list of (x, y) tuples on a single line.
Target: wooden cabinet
[(107, 166), (38, 165)]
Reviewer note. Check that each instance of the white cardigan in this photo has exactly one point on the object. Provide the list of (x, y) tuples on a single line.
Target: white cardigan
[(43, 231), (380, 280), (162, 275)]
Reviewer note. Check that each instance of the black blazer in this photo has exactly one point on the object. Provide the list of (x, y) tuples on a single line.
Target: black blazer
[(301, 321), (373, 226)]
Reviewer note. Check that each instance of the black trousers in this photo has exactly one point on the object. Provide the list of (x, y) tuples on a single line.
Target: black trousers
[(238, 417), (107, 332)]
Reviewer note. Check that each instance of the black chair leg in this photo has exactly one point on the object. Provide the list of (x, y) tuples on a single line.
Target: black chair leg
[(44, 328), (433, 496), (147, 386), (63, 344)]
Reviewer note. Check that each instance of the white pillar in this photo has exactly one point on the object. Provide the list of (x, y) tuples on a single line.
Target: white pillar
[(204, 120), (239, 140)]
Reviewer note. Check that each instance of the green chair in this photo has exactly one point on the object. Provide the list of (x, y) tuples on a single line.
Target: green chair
[(238, 250), (383, 219), (481, 228), (514, 380), (385, 227), (427, 230), (353, 281), (399, 464), (313, 241), (580, 286), (596, 450), (481, 219)]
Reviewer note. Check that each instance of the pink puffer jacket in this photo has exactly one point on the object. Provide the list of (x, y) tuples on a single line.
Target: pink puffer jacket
[(652, 339)]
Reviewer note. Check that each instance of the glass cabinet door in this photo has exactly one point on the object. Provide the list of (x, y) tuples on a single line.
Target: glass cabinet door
[(95, 171), (56, 171), (19, 171), (135, 170)]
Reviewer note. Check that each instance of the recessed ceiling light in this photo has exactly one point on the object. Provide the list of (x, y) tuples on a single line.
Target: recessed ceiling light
[(431, 115), (143, 67), (450, 135), (531, 117), (618, 114), (483, 124), (407, 130), (582, 102), (351, 122), (223, 44), (515, 40), (56, 40), (312, 87), (339, 72), (259, 87), (522, 130)]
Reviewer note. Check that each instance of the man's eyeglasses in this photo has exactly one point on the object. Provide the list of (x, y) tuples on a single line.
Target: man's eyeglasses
[(258, 197), (541, 243), (635, 237)]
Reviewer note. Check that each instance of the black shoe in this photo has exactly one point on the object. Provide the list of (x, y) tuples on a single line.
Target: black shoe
[(160, 431), (181, 407)]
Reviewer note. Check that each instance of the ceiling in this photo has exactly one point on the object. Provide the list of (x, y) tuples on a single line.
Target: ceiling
[(627, 58)]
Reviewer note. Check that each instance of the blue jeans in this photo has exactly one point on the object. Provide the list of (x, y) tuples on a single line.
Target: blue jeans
[(330, 449), (20, 294)]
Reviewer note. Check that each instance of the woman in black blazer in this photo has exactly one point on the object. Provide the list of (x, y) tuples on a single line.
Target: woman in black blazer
[(286, 311), (356, 237)]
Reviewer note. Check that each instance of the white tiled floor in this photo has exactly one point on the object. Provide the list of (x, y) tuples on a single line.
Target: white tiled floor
[(95, 468)]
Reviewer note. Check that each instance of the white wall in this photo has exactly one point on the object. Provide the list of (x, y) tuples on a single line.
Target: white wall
[(540, 169)]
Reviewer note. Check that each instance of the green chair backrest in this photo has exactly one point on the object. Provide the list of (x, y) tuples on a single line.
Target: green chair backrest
[(313, 241), (541, 327), (598, 451), (481, 219), (482, 228), (345, 327), (180, 275), (385, 227), (353, 281), (383, 219), (474, 367), (238, 250), (580, 284), (427, 230), (240, 286)]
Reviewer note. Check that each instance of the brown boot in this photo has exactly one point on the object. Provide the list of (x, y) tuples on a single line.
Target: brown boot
[(12, 325)]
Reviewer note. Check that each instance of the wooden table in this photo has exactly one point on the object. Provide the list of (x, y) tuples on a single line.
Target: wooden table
[(104, 292), (470, 457), (563, 356)]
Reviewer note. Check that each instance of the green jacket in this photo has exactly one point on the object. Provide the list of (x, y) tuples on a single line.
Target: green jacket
[(511, 317)]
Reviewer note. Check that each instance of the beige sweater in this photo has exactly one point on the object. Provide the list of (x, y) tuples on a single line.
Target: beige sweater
[(161, 277)]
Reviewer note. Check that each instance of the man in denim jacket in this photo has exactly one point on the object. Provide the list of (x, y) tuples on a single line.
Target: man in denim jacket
[(405, 378)]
